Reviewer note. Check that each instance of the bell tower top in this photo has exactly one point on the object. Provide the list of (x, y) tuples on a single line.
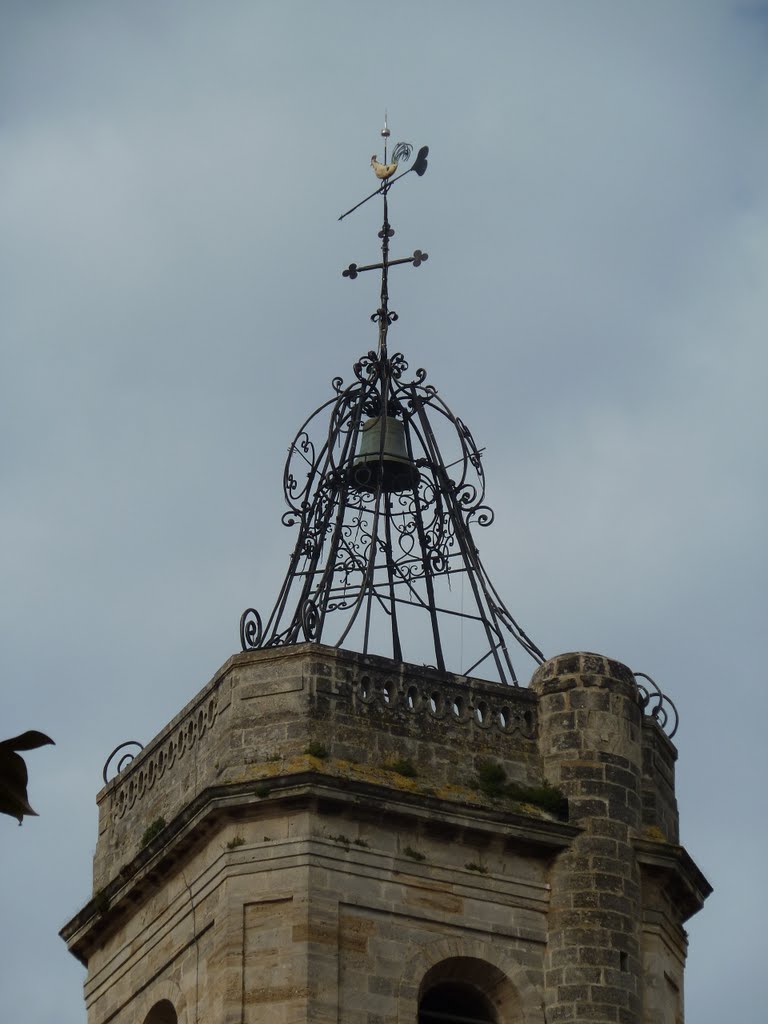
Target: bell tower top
[(330, 834), (385, 485)]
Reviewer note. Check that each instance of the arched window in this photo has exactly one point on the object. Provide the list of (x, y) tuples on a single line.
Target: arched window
[(162, 1013), (455, 1002)]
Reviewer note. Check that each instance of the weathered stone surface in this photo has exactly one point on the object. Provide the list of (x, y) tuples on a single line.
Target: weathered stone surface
[(607, 768), (328, 849)]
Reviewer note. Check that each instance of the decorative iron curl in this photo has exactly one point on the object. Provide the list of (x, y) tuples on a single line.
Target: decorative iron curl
[(657, 704), (310, 619), (251, 630), (123, 761), (380, 315), (466, 495), (366, 367), (483, 515), (398, 364)]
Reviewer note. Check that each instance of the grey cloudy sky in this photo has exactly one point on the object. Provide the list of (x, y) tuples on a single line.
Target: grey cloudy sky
[(594, 307)]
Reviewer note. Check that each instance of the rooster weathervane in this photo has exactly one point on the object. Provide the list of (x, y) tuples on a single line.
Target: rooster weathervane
[(385, 171), (387, 174)]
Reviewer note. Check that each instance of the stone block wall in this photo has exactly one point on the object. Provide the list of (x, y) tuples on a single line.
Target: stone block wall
[(660, 815), (285, 919), (591, 740), (327, 851)]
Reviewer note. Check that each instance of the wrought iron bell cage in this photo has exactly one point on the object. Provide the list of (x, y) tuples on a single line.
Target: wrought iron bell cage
[(385, 485)]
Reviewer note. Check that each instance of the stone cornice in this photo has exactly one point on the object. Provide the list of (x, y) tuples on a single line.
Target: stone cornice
[(102, 914), (685, 883)]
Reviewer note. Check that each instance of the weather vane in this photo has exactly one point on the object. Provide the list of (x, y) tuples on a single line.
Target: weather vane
[(387, 173)]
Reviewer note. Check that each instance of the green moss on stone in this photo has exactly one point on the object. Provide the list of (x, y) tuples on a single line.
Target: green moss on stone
[(152, 831), (492, 781)]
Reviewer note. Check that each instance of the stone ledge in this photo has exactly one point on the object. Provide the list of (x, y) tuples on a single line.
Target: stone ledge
[(103, 913), (686, 883)]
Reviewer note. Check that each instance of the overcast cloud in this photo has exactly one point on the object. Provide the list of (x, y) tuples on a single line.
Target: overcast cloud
[(594, 307)]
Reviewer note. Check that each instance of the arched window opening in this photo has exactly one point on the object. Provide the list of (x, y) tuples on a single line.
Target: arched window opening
[(456, 1002), (162, 1013)]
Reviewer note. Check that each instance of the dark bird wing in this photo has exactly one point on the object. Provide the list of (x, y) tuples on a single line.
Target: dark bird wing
[(13, 773), (29, 740)]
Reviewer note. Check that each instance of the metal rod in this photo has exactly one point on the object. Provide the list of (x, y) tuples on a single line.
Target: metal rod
[(460, 526), (427, 567), (379, 266)]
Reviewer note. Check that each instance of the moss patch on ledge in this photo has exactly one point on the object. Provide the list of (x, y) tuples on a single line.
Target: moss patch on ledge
[(532, 801), (385, 774), (654, 834), (492, 781)]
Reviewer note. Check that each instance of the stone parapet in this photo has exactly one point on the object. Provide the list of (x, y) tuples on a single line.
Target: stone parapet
[(265, 713)]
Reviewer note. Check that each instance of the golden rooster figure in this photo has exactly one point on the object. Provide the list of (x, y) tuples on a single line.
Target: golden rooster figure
[(402, 151)]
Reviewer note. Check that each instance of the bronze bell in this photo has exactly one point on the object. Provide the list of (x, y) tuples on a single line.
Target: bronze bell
[(383, 458)]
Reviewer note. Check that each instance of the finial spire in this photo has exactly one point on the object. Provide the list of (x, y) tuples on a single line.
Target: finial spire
[(386, 171), (385, 134)]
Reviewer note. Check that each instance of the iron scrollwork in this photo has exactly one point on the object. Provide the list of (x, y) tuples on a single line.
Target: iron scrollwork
[(657, 704), (251, 632), (129, 749), (383, 484), (366, 552)]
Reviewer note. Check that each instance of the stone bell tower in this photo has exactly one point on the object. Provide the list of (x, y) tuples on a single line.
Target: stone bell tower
[(363, 818)]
